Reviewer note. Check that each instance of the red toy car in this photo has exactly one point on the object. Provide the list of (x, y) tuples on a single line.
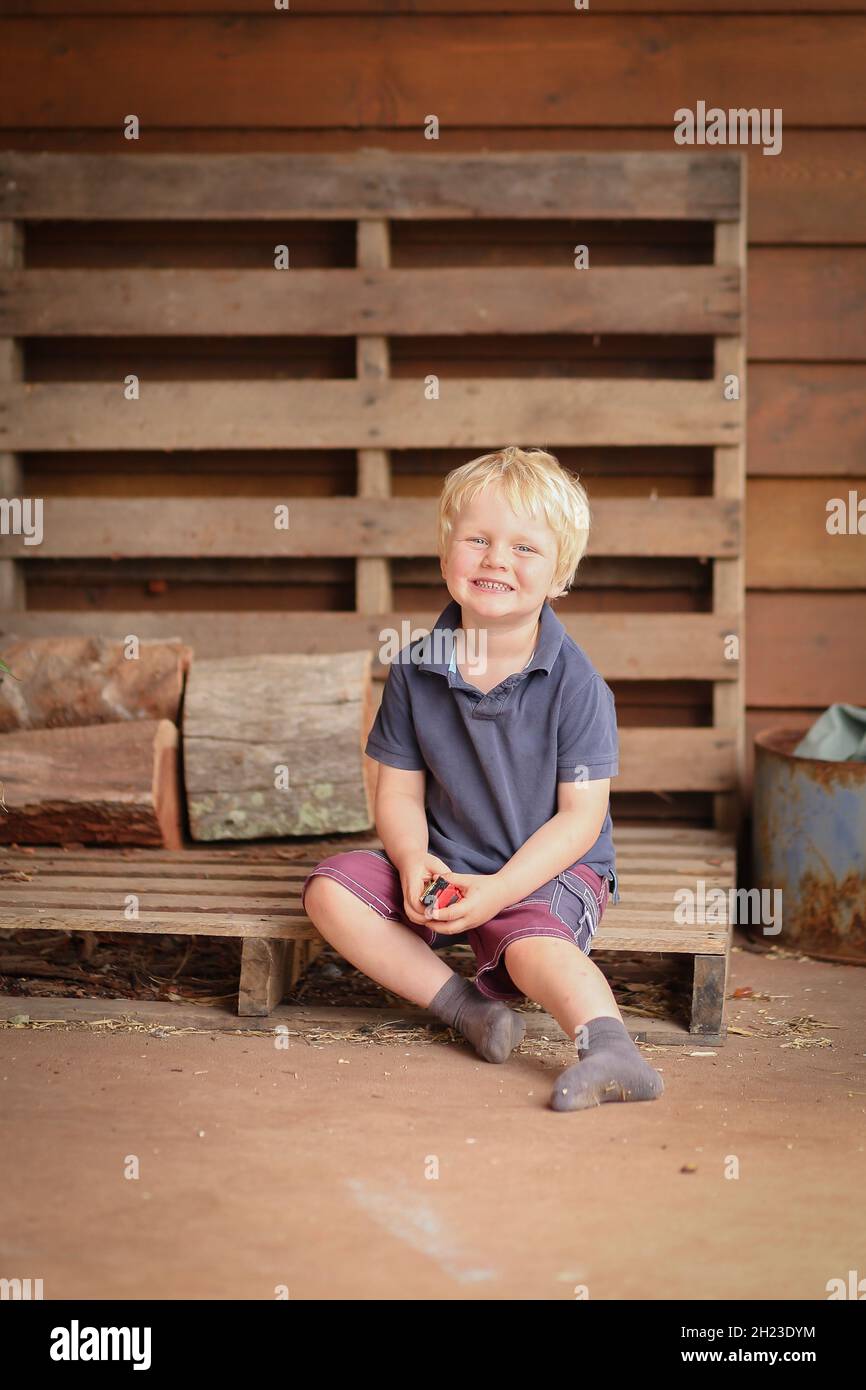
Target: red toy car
[(441, 893)]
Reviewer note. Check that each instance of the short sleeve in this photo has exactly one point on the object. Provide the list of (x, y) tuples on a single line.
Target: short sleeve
[(392, 738), (587, 748)]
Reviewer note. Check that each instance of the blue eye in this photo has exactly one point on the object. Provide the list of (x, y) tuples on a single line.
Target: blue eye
[(520, 543)]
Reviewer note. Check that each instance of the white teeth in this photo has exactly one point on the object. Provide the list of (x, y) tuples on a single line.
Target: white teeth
[(497, 588)]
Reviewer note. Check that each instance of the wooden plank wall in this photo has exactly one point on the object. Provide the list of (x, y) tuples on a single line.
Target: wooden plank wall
[(339, 75)]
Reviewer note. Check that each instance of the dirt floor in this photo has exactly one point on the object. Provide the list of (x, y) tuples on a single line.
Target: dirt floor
[(358, 1167)]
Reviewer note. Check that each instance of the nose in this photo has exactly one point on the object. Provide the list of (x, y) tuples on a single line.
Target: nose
[(495, 558)]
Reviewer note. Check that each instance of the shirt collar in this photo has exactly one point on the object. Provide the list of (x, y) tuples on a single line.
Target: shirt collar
[(437, 648)]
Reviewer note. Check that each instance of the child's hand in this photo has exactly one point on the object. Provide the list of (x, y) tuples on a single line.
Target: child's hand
[(483, 900), (415, 874)]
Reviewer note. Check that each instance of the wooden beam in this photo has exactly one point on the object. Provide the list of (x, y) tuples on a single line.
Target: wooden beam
[(337, 8), (708, 996), (788, 544), (265, 965), (373, 587), (13, 593), (352, 414), (674, 760), (623, 646), (810, 196), (349, 526), (373, 300), (729, 477), (818, 637), (631, 929), (266, 869), (370, 183), (386, 72), (806, 304), (807, 420)]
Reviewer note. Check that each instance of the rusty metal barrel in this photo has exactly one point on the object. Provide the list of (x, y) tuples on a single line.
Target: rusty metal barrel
[(809, 840)]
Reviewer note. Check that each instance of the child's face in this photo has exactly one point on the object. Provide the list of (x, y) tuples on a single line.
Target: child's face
[(489, 540)]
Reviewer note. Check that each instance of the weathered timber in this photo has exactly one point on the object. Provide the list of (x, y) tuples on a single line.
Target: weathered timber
[(111, 784), (273, 745), (63, 682)]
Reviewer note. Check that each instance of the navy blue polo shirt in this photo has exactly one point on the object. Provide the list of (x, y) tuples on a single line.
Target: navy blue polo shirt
[(494, 760)]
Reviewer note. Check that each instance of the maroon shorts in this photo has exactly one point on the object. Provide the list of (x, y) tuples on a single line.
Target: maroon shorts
[(569, 907)]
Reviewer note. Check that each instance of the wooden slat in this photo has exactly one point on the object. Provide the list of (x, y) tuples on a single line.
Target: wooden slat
[(653, 865), (188, 923), (681, 844), (368, 8), (78, 527), (373, 579), (245, 864), (702, 836), (819, 637), (807, 420), (294, 857), (656, 863), (651, 890), (788, 545), (372, 183), (651, 882), (12, 587), (623, 646), (806, 304), (443, 301), (639, 646), (631, 929), (285, 74), (658, 902), (729, 475), (812, 195), (672, 759), (685, 869), (677, 760), (352, 414), (151, 902)]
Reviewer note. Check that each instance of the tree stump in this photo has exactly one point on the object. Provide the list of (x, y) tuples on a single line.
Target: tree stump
[(273, 745), (63, 682), (108, 784)]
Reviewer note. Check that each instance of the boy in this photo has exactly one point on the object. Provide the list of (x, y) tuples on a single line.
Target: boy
[(497, 741)]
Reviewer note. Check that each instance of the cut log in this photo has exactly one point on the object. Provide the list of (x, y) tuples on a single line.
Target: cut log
[(273, 745), (108, 784), (65, 682)]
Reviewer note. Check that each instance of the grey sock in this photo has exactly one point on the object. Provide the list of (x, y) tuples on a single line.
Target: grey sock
[(493, 1029), (610, 1068)]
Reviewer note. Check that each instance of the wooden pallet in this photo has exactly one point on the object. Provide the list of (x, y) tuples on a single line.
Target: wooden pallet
[(376, 415), (254, 893)]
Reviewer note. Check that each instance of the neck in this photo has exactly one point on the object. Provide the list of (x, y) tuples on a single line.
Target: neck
[(506, 644)]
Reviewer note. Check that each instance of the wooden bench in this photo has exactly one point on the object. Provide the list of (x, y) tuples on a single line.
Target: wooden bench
[(376, 414)]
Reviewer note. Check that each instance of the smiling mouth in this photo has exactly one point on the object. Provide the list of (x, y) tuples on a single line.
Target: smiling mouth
[(492, 586)]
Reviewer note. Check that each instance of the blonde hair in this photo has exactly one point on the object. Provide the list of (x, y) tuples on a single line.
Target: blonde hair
[(532, 480)]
